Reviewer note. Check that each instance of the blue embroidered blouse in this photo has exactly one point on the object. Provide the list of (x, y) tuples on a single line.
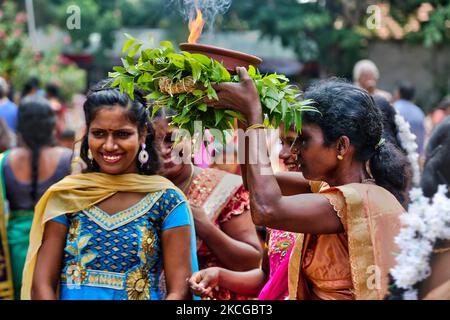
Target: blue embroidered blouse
[(119, 257)]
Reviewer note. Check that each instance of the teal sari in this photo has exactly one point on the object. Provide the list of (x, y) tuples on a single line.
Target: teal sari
[(18, 226), (6, 280)]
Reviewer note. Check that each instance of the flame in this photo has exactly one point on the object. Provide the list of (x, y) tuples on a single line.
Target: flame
[(196, 27)]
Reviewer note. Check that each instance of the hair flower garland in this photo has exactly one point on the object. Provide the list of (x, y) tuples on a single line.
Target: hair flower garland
[(423, 224), (408, 142)]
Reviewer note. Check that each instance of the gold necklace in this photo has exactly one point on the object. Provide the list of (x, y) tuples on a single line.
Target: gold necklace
[(188, 182)]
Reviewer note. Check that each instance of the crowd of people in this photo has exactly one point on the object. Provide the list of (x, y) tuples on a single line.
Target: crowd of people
[(121, 218)]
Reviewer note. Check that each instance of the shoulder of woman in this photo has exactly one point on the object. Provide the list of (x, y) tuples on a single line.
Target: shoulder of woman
[(172, 196), (19, 155), (64, 150)]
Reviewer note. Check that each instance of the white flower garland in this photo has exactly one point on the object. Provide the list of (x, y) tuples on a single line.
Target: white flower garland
[(408, 142), (423, 224)]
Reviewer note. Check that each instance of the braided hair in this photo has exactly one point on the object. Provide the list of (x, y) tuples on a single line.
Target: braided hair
[(36, 125)]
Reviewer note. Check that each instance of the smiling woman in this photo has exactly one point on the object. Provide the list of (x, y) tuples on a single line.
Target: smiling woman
[(106, 233), (117, 127)]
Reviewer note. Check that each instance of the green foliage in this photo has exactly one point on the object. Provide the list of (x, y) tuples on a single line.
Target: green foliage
[(433, 32), (12, 37), (308, 28), (279, 99), (18, 61), (49, 68), (102, 17)]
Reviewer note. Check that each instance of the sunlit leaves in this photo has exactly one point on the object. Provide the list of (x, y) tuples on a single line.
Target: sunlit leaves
[(280, 101)]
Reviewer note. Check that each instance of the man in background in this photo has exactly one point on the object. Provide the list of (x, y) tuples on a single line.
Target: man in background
[(366, 75), (404, 95)]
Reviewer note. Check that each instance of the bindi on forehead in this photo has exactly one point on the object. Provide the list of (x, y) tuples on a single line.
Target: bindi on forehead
[(112, 119)]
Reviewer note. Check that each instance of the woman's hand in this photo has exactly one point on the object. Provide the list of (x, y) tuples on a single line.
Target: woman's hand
[(204, 281), (201, 221), (242, 97)]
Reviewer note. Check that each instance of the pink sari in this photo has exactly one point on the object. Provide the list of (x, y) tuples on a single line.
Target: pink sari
[(280, 247)]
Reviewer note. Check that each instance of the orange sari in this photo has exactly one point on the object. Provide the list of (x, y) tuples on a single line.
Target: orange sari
[(354, 264)]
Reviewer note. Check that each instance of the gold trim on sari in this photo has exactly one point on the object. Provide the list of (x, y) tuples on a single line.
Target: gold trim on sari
[(371, 220), (212, 190)]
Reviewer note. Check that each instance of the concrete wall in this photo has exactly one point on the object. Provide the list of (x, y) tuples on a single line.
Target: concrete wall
[(425, 68)]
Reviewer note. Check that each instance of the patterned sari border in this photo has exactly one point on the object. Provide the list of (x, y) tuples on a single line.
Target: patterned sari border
[(220, 195), (294, 266), (361, 251), (111, 222)]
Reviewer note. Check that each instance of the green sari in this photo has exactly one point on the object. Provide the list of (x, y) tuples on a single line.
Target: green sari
[(18, 226), (6, 280)]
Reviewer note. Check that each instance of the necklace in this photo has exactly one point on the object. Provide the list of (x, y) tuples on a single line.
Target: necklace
[(188, 181)]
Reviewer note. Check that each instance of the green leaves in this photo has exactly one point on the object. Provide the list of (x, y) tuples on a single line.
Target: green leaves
[(280, 101)]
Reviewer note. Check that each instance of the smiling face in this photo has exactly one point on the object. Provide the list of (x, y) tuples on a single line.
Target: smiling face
[(174, 159), (114, 141), (286, 154), (317, 161)]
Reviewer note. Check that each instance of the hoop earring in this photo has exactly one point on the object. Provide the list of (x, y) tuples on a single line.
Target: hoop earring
[(143, 155)]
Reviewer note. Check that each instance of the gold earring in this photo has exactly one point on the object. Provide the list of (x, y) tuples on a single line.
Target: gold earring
[(340, 157)]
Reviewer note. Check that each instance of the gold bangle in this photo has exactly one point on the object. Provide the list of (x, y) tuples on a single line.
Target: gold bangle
[(255, 126), (441, 250)]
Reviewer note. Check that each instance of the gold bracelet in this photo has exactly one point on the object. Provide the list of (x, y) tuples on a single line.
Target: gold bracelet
[(441, 250), (255, 126)]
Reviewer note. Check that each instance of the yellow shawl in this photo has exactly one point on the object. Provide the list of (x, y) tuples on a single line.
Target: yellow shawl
[(370, 215), (78, 192)]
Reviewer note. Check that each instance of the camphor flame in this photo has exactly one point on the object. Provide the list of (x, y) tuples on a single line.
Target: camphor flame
[(196, 26)]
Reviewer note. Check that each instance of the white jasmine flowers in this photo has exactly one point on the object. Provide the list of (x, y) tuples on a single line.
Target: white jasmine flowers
[(408, 142), (422, 225)]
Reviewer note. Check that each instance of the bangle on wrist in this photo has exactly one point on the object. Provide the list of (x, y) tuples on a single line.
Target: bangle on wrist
[(255, 126)]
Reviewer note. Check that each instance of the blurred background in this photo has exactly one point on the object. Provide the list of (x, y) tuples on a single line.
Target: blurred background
[(71, 44)]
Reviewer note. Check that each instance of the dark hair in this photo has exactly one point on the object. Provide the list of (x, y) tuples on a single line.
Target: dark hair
[(390, 133), (390, 130), (347, 110), (437, 170), (164, 113), (67, 134), (36, 124), (52, 90), (406, 90), (445, 103), (102, 96), (32, 83)]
